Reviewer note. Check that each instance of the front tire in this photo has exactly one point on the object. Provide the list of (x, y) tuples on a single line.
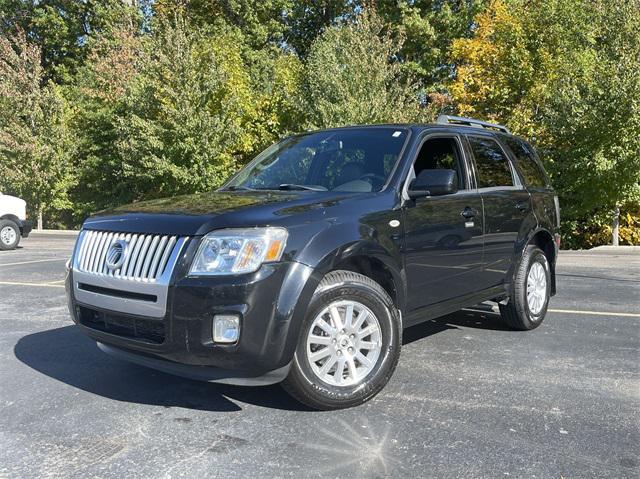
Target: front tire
[(9, 235), (349, 344), (527, 305)]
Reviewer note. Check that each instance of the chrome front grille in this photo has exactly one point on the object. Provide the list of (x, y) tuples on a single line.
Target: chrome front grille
[(146, 256), (125, 272)]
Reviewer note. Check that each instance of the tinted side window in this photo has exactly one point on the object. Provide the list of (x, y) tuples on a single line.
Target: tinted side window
[(491, 164), (439, 153), (527, 162)]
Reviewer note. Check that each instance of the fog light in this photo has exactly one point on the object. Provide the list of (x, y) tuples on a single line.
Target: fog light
[(226, 328)]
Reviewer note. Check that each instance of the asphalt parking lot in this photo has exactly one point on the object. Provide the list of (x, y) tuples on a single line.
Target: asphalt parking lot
[(469, 398)]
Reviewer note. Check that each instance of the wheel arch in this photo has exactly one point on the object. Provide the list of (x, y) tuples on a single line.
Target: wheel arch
[(370, 260), (12, 217), (543, 239)]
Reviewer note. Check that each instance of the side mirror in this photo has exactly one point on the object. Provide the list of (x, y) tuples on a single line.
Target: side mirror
[(434, 183)]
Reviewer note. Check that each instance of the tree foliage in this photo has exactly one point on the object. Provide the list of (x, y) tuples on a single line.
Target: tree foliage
[(306, 20), (107, 102), (565, 74), (352, 77), (35, 145), (183, 121), (429, 28), (65, 30)]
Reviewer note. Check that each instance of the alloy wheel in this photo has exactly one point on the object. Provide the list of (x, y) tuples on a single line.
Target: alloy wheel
[(344, 343)]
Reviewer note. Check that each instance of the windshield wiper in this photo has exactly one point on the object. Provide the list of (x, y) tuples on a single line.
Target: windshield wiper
[(292, 186), (236, 188)]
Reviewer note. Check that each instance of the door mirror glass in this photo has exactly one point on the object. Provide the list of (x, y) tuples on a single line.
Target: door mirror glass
[(434, 183)]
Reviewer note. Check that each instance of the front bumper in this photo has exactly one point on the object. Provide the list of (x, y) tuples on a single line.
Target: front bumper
[(271, 304), (25, 228)]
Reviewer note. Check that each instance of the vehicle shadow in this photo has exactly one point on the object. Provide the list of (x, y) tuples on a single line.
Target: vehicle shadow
[(68, 356), (480, 316)]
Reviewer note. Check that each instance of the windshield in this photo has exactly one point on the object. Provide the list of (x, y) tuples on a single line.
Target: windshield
[(351, 160)]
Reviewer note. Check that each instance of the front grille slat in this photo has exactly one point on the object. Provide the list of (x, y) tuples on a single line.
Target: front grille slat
[(134, 257), (132, 244), (153, 268), (146, 258), (82, 252), (102, 264), (149, 256), (95, 250), (90, 249), (96, 255), (141, 256), (92, 244), (165, 258)]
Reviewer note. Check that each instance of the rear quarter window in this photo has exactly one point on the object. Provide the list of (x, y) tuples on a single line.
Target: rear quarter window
[(527, 162)]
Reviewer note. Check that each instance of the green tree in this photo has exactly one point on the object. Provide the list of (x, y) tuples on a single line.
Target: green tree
[(182, 126), (65, 29), (258, 34), (98, 94), (306, 20), (429, 28), (261, 23), (174, 111), (352, 76), (592, 114), (35, 146)]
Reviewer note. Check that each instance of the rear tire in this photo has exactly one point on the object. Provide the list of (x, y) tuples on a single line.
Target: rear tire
[(349, 343), (527, 305), (9, 235)]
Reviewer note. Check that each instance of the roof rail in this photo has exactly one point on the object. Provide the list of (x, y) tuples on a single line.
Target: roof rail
[(460, 120)]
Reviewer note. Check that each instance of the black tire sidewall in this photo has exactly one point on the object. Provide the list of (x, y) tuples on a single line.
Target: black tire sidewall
[(536, 256), (336, 396), (11, 224)]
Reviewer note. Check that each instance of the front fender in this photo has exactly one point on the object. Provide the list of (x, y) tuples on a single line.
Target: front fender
[(291, 306), (321, 254)]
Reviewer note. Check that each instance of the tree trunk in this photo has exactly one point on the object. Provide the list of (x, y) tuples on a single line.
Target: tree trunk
[(40, 220), (615, 227)]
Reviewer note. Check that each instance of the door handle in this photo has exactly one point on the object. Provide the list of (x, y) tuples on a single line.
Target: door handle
[(468, 213), (522, 205)]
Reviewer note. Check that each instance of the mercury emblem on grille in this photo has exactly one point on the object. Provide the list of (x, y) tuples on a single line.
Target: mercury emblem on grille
[(116, 254)]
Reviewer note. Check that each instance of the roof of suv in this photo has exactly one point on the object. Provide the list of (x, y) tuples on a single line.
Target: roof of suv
[(442, 121)]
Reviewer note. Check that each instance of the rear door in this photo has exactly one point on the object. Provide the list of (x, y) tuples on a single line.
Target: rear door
[(443, 234), (507, 205)]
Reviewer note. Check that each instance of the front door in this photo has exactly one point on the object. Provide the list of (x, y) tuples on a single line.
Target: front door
[(443, 234)]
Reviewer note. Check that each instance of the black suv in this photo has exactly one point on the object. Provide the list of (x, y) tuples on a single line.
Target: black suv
[(307, 265)]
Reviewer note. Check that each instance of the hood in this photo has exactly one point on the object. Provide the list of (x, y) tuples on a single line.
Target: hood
[(200, 213)]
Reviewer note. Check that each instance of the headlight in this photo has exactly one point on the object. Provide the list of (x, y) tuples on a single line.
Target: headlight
[(237, 251)]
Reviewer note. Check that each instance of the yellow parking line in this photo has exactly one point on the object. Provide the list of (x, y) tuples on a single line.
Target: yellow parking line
[(33, 261), (47, 285), (595, 313)]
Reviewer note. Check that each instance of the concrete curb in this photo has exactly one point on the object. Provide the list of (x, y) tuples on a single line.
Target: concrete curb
[(55, 232), (617, 249)]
